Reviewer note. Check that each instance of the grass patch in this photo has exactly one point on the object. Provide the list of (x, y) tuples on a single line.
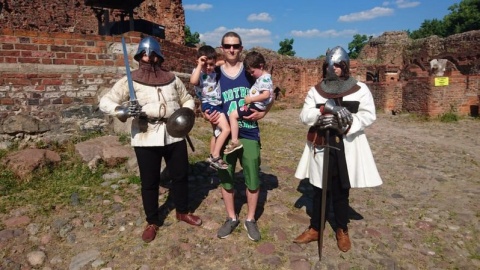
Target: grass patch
[(50, 186)]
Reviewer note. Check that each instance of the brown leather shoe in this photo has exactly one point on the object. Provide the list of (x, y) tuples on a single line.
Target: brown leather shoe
[(307, 236), (190, 219), (149, 233), (343, 241)]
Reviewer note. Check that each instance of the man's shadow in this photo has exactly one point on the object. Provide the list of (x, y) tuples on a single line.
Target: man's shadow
[(200, 187), (306, 199), (267, 182)]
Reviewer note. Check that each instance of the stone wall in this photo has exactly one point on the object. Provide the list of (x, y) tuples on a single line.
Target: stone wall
[(398, 72), (74, 17), (54, 78)]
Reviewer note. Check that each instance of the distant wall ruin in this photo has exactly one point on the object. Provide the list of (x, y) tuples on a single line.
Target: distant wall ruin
[(398, 71)]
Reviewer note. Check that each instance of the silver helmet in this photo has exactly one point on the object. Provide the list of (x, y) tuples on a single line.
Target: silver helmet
[(338, 56), (148, 45)]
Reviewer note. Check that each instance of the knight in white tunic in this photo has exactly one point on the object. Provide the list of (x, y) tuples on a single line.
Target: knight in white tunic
[(351, 163)]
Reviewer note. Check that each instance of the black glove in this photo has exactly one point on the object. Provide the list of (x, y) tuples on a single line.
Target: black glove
[(134, 109)]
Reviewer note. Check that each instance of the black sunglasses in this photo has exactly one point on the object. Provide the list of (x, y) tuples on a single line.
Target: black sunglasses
[(228, 46)]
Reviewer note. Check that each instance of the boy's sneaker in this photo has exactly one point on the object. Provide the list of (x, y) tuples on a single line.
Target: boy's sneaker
[(252, 230), (231, 147), (227, 228)]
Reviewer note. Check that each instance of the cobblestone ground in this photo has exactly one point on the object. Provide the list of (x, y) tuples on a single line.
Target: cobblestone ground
[(424, 216)]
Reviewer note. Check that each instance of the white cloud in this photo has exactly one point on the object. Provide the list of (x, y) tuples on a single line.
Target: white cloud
[(264, 17), (197, 7), (312, 33), (366, 15), (406, 4), (250, 37)]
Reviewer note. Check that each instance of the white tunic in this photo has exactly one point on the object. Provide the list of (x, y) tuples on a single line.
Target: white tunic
[(156, 102), (361, 166)]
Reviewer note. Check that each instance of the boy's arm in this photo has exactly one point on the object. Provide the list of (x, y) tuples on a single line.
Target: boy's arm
[(195, 77), (263, 96)]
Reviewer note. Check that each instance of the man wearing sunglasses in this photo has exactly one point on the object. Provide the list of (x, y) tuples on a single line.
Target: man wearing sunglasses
[(235, 83)]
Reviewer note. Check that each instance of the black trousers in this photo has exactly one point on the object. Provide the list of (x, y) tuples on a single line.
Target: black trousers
[(337, 196), (149, 163)]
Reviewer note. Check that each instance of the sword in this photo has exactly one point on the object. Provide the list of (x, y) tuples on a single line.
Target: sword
[(326, 157), (326, 109), (133, 96), (123, 112)]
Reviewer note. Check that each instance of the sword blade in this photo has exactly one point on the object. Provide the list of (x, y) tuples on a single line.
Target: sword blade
[(133, 97), (326, 159)]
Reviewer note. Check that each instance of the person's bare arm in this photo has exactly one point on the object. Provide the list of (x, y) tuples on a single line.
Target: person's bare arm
[(256, 115), (212, 117), (195, 77), (263, 96)]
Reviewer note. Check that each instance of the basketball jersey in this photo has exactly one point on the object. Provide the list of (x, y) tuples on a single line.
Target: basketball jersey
[(234, 90)]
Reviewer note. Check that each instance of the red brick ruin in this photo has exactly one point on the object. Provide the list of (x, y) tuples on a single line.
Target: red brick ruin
[(53, 56)]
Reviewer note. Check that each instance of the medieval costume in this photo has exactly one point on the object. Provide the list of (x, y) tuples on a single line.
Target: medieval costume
[(158, 94), (351, 163)]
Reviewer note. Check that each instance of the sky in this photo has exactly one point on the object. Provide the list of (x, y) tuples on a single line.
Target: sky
[(314, 25)]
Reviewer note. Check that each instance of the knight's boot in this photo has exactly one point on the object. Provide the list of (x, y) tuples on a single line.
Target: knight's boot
[(343, 240)]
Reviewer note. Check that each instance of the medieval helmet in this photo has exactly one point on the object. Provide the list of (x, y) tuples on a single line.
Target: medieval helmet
[(180, 123), (338, 56), (148, 45)]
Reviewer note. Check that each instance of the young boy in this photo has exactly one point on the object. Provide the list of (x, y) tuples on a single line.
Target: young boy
[(259, 96), (207, 88)]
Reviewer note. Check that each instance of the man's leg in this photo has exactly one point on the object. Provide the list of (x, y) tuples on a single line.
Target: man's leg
[(227, 190), (251, 170), (252, 200), (228, 201)]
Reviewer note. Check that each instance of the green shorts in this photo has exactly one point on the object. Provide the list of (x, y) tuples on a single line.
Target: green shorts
[(249, 156)]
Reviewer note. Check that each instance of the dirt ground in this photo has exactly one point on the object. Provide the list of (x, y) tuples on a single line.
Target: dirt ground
[(425, 215)]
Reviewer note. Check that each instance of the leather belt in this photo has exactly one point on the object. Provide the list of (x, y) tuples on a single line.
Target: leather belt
[(155, 120)]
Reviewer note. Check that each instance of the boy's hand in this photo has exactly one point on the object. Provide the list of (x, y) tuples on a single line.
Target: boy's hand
[(248, 100), (201, 61)]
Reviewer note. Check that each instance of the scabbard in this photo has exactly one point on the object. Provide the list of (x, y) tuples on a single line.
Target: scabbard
[(326, 158), (190, 143)]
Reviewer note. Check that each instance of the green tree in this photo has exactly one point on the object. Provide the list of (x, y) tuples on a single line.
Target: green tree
[(286, 47), (464, 16), (356, 45), (191, 39), (429, 28)]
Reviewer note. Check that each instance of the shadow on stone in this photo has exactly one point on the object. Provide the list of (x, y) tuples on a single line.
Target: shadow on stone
[(306, 199)]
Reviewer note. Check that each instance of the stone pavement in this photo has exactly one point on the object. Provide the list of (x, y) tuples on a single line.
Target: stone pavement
[(424, 216)]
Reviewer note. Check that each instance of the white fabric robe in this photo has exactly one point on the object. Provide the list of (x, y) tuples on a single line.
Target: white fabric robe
[(362, 170), (156, 102)]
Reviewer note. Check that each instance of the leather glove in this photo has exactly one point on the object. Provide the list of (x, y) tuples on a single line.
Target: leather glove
[(134, 109)]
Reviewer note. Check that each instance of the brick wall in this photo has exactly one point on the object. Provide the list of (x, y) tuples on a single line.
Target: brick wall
[(43, 74), (66, 16)]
